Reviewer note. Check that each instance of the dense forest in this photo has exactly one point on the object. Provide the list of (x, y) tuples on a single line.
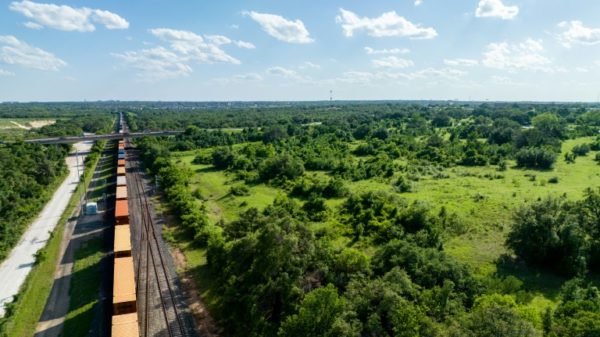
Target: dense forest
[(326, 258), (29, 173)]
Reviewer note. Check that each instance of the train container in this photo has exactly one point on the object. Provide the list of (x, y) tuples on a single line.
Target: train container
[(122, 151), (124, 298), (121, 155), (121, 181), (121, 162), (121, 212), (121, 192), (125, 325), (122, 247), (121, 171)]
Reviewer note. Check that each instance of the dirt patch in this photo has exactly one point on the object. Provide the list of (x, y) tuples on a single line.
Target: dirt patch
[(20, 126), (41, 123), (204, 321)]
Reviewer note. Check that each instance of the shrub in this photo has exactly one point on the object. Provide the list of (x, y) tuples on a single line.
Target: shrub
[(581, 150), (223, 158), (536, 158), (239, 190), (283, 166), (403, 185)]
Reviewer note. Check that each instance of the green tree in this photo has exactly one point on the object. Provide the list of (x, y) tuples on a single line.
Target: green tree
[(318, 313)]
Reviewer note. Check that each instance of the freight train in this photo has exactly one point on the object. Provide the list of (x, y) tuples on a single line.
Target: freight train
[(124, 303)]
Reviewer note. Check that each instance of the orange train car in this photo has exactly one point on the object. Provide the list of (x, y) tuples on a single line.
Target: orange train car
[(121, 212), (124, 297), (121, 171), (121, 162), (122, 247), (121, 192), (125, 325)]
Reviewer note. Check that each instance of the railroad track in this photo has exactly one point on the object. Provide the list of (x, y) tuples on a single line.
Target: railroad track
[(161, 308)]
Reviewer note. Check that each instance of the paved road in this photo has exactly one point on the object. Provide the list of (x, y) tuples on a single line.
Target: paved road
[(18, 264)]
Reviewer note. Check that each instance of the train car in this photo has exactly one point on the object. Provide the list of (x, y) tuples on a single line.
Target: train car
[(124, 297), (122, 245), (121, 212), (125, 325), (121, 155), (121, 181), (121, 192), (121, 171), (121, 162)]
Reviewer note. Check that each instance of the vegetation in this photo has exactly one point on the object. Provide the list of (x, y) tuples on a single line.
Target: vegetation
[(28, 175), (84, 288), (23, 314), (386, 219)]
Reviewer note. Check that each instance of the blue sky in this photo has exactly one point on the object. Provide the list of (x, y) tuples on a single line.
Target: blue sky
[(546, 50)]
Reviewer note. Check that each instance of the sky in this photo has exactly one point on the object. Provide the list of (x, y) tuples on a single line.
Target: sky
[(280, 50)]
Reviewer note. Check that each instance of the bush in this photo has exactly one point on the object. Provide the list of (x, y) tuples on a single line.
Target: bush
[(536, 158), (403, 185), (223, 158), (283, 166), (581, 150), (553, 180), (239, 190)]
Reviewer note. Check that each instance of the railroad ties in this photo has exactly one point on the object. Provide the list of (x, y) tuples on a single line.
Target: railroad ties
[(147, 301)]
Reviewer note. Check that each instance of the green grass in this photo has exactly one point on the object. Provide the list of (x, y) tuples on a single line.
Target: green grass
[(85, 287), (29, 303), (214, 186), (482, 205)]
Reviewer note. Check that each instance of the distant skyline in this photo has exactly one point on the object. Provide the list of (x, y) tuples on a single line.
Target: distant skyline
[(501, 50)]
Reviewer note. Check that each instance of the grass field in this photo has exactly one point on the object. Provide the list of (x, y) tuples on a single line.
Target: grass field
[(482, 198), (84, 288)]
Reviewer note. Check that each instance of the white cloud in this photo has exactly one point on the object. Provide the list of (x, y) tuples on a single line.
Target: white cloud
[(67, 18), (248, 77), (418, 2), (527, 55), (389, 24), (184, 47), (282, 72), (310, 65), (14, 51), (461, 62), (33, 25), (289, 74), (392, 62), (427, 74), (6, 73), (244, 44), (109, 20), (281, 28), (238, 79), (496, 9), (156, 63), (218, 39), (437, 74), (371, 51), (574, 32), (192, 46)]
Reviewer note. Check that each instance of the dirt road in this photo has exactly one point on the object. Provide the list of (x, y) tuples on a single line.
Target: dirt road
[(18, 264)]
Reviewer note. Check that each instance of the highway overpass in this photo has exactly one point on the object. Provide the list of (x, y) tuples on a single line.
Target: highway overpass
[(76, 139)]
